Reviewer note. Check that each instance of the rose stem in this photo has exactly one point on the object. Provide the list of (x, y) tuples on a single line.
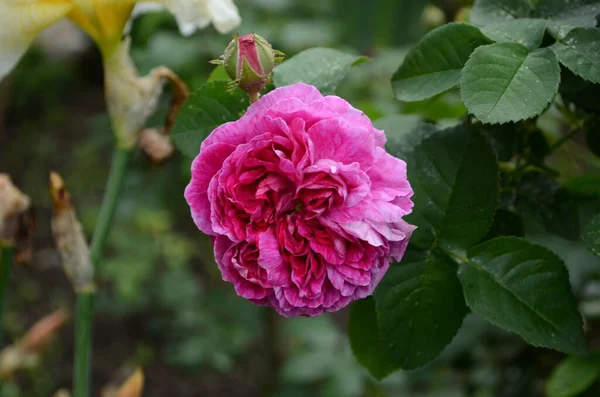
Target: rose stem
[(254, 96), (84, 315), (273, 350), (6, 262)]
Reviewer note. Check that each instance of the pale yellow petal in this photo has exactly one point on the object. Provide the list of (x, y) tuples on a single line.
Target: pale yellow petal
[(20, 22), (103, 20), (224, 15), (130, 99), (113, 16)]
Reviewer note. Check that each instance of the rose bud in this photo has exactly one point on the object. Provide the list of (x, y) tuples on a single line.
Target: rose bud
[(249, 61)]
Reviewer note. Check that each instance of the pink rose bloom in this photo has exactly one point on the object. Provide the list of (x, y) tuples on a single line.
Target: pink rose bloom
[(304, 204)]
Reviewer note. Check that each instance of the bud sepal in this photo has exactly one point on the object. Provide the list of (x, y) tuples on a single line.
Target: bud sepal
[(249, 61)]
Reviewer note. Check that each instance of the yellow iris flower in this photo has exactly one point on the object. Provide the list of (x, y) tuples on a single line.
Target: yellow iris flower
[(104, 20)]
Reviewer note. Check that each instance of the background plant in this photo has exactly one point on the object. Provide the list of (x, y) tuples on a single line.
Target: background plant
[(511, 165)]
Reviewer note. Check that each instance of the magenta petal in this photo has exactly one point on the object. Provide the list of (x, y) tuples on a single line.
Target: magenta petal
[(204, 168), (304, 92), (388, 177), (305, 205), (271, 260), (336, 139)]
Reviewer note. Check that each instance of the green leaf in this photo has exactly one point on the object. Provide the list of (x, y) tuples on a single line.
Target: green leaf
[(218, 73), (591, 235), (573, 376), (505, 82), (323, 68), (207, 108), (505, 139), (580, 52), (443, 106), (546, 199), (420, 307), (454, 174), (569, 13), (490, 11), (524, 288), (506, 223), (365, 340), (434, 64), (404, 133), (582, 93), (528, 32)]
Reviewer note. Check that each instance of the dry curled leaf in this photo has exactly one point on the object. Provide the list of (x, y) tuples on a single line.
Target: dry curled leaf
[(28, 351), (133, 386), (131, 99), (62, 393), (12, 203), (156, 144), (41, 332), (24, 238), (69, 238)]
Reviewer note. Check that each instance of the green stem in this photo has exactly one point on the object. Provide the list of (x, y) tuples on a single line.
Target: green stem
[(85, 301), (5, 268), (84, 315), (578, 126), (109, 203), (273, 351), (565, 138)]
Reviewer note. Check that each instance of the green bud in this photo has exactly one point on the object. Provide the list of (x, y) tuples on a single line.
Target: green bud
[(249, 61)]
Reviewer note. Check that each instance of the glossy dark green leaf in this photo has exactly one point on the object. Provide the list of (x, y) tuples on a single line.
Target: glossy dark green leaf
[(569, 13), (591, 235), (420, 307), (582, 93), (573, 376), (580, 52), (446, 106), (526, 31), (505, 139), (524, 288), (366, 342), (433, 65), (323, 68), (491, 11), (506, 223), (454, 174), (505, 82), (404, 132), (207, 108), (546, 199)]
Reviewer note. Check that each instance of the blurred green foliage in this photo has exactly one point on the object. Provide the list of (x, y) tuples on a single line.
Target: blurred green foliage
[(159, 271)]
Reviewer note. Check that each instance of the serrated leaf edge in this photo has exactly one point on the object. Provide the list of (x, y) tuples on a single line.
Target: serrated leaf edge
[(516, 119), (550, 253)]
